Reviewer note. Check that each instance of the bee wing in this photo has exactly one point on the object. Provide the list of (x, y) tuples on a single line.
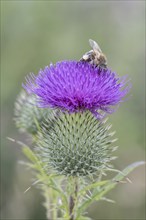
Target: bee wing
[(94, 46)]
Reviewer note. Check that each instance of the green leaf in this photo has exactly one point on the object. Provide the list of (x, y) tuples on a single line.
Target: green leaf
[(48, 180), (97, 195), (30, 154), (37, 164), (92, 186), (127, 170)]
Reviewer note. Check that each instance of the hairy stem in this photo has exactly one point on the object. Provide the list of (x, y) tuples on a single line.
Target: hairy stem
[(73, 199), (71, 207), (51, 211)]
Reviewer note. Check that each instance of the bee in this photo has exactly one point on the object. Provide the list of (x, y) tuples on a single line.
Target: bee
[(95, 56)]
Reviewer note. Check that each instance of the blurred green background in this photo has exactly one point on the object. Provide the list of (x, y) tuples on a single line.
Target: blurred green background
[(35, 33)]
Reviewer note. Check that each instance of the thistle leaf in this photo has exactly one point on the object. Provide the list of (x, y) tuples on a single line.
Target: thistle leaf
[(92, 186), (30, 154), (127, 170), (97, 195)]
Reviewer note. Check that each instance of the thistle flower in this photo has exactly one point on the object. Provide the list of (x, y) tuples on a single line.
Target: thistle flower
[(28, 116), (77, 87), (76, 145)]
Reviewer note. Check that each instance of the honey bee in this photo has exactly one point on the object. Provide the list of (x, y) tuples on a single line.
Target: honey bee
[(95, 56)]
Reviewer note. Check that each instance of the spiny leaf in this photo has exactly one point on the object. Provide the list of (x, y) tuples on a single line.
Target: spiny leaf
[(107, 187), (37, 164), (92, 186), (30, 154), (127, 170), (42, 176)]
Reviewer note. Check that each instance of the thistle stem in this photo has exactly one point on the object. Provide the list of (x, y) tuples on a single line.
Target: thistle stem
[(71, 207), (73, 199), (51, 212)]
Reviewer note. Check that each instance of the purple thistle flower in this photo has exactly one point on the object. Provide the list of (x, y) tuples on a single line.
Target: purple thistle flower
[(78, 86)]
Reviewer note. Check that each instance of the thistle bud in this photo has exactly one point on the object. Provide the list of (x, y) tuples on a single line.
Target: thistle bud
[(28, 116)]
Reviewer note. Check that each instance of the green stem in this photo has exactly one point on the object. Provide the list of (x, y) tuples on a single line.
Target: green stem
[(71, 207), (54, 211), (73, 199), (50, 200)]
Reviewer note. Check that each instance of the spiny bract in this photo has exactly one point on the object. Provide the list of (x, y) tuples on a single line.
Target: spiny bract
[(77, 144)]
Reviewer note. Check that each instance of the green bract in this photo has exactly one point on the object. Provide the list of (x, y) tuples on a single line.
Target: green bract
[(77, 144)]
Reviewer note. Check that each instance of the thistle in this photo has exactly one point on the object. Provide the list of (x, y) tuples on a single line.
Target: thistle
[(78, 143), (64, 108)]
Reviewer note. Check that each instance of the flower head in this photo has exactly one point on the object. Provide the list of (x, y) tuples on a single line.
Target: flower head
[(77, 86)]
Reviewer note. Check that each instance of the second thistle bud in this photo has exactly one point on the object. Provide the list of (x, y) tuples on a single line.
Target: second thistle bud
[(28, 117)]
